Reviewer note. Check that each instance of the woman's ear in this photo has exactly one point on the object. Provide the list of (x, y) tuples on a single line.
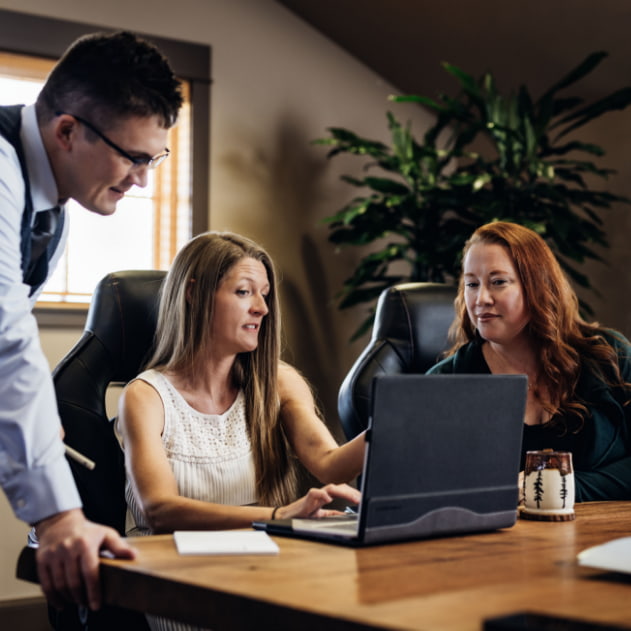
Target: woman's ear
[(189, 291)]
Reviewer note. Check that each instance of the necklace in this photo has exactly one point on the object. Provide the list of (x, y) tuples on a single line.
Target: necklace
[(499, 363)]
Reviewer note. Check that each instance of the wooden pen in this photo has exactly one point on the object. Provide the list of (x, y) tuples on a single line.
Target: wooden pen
[(79, 457)]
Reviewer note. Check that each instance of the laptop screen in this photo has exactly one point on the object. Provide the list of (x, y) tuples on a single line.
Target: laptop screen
[(442, 442)]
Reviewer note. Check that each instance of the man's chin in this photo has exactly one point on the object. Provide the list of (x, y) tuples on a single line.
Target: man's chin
[(104, 210)]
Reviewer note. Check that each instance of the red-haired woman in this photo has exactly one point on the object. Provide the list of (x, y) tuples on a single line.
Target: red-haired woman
[(516, 313)]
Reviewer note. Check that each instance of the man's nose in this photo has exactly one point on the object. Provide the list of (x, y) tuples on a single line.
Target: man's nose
[(138, 175)]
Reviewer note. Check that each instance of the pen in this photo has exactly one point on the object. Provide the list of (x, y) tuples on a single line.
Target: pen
[(79, 457)]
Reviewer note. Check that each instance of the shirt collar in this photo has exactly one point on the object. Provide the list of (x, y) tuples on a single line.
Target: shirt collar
[(41, 179)]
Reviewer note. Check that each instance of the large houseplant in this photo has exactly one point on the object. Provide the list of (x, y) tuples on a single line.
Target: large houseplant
[(487, 156)]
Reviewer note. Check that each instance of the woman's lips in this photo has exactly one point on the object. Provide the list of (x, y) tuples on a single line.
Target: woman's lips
[(486, 317)]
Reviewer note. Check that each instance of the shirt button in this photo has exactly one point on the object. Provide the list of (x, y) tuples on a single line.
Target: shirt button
[(21, 502)]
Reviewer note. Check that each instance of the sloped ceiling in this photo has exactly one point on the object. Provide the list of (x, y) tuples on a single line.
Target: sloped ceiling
[(532, 43)]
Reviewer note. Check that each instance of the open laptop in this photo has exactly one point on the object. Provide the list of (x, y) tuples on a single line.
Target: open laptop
[(442, 458)]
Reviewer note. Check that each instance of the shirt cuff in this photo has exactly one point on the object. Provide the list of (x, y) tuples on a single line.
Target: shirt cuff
[(41, 492)]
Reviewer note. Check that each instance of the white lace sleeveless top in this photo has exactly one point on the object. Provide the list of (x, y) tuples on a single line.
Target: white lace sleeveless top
[(210, 454)]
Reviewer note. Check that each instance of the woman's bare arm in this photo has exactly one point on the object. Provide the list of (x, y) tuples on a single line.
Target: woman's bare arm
[(309, 436), (141, 422)]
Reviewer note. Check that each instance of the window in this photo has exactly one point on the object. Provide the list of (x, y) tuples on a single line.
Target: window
[(150, 224)]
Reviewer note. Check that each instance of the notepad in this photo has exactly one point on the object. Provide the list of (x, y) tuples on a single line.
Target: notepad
[(223, 542), (615, 556)]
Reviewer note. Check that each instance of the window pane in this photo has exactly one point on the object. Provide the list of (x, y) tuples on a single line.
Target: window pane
[(150, 224), (98, 245), (16, 91)]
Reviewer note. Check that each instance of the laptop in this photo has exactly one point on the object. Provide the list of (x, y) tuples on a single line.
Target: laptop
[(442, 458)]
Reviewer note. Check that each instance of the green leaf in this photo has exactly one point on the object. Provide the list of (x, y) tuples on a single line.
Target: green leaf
[(466, 80), (583, 69), (619, 100), (421, 100), (563, 105), (575, 146)]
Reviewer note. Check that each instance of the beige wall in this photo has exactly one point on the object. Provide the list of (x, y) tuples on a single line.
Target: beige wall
[(613, 280), (277, 84)]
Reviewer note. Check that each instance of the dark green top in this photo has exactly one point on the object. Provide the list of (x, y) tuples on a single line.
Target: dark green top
[(601, 449)]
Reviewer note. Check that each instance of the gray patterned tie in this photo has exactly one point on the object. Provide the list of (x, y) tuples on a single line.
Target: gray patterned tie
[(44, 229)]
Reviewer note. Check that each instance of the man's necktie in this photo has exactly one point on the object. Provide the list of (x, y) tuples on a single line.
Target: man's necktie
[(44, 228), (43, 231)]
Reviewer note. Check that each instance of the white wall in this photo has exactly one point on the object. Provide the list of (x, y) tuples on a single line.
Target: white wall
[(277, 84)]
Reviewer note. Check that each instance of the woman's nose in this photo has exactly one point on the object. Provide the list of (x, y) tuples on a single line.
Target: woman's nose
[(484, 295), (260, 305)]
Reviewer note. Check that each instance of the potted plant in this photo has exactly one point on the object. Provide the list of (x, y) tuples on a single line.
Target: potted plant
[(488, 156)]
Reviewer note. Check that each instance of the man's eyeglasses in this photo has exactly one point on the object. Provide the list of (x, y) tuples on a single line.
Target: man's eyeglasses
[(137, 161)]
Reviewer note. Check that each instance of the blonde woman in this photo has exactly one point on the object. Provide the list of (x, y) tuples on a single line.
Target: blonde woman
[(212, 427)]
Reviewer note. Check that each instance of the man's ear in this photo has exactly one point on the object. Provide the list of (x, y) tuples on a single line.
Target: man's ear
[(65, 130)]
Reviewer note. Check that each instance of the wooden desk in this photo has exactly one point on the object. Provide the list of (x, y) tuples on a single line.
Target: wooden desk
[(450, 584)]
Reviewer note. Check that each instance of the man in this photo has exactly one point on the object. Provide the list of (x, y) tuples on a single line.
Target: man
[(98, 125)]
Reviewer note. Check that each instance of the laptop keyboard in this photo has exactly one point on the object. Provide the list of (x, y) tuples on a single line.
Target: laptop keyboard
[(338, 524)]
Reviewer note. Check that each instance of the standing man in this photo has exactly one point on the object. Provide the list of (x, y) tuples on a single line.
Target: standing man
[(99, 123)]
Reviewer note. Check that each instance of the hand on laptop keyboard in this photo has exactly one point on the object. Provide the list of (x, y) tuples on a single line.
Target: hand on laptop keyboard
[(313, 503)]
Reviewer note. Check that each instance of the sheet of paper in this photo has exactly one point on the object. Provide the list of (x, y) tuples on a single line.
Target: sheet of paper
[(615, 556), (224, 542)]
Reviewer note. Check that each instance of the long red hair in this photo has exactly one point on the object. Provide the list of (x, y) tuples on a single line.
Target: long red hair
[(562, 340)]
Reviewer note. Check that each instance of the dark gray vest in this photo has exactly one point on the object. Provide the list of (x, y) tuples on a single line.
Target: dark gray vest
[(34, 273)]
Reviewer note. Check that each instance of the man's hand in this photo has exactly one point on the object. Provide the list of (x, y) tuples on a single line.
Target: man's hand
[(68, 557)]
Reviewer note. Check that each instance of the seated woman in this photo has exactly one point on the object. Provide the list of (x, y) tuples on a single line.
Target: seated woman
[(211, 429), (516, 313)]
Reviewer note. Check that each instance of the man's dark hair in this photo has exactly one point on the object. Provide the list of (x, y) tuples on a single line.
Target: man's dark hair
[(111, 75)]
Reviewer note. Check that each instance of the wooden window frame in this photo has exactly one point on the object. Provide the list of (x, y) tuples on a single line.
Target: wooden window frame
[(50, 37)]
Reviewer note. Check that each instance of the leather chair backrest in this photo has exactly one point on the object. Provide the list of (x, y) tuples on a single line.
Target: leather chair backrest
[(118, 336), (409, 334)]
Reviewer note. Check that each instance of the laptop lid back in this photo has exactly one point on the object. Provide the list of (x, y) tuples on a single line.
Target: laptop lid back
[(443, 457)]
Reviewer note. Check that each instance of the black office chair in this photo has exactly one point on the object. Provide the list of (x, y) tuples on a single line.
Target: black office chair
[(409, 334), (117, 338)]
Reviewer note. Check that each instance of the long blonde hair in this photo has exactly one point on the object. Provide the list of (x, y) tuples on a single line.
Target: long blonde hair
[(184, 329)]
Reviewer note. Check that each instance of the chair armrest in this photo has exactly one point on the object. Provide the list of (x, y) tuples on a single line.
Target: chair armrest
[(26, 568)]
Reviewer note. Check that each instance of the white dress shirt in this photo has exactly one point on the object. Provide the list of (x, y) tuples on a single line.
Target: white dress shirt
[(34, 472)]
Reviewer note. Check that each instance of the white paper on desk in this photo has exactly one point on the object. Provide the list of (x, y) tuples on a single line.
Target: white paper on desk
[(224, 542), (615, 556)]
